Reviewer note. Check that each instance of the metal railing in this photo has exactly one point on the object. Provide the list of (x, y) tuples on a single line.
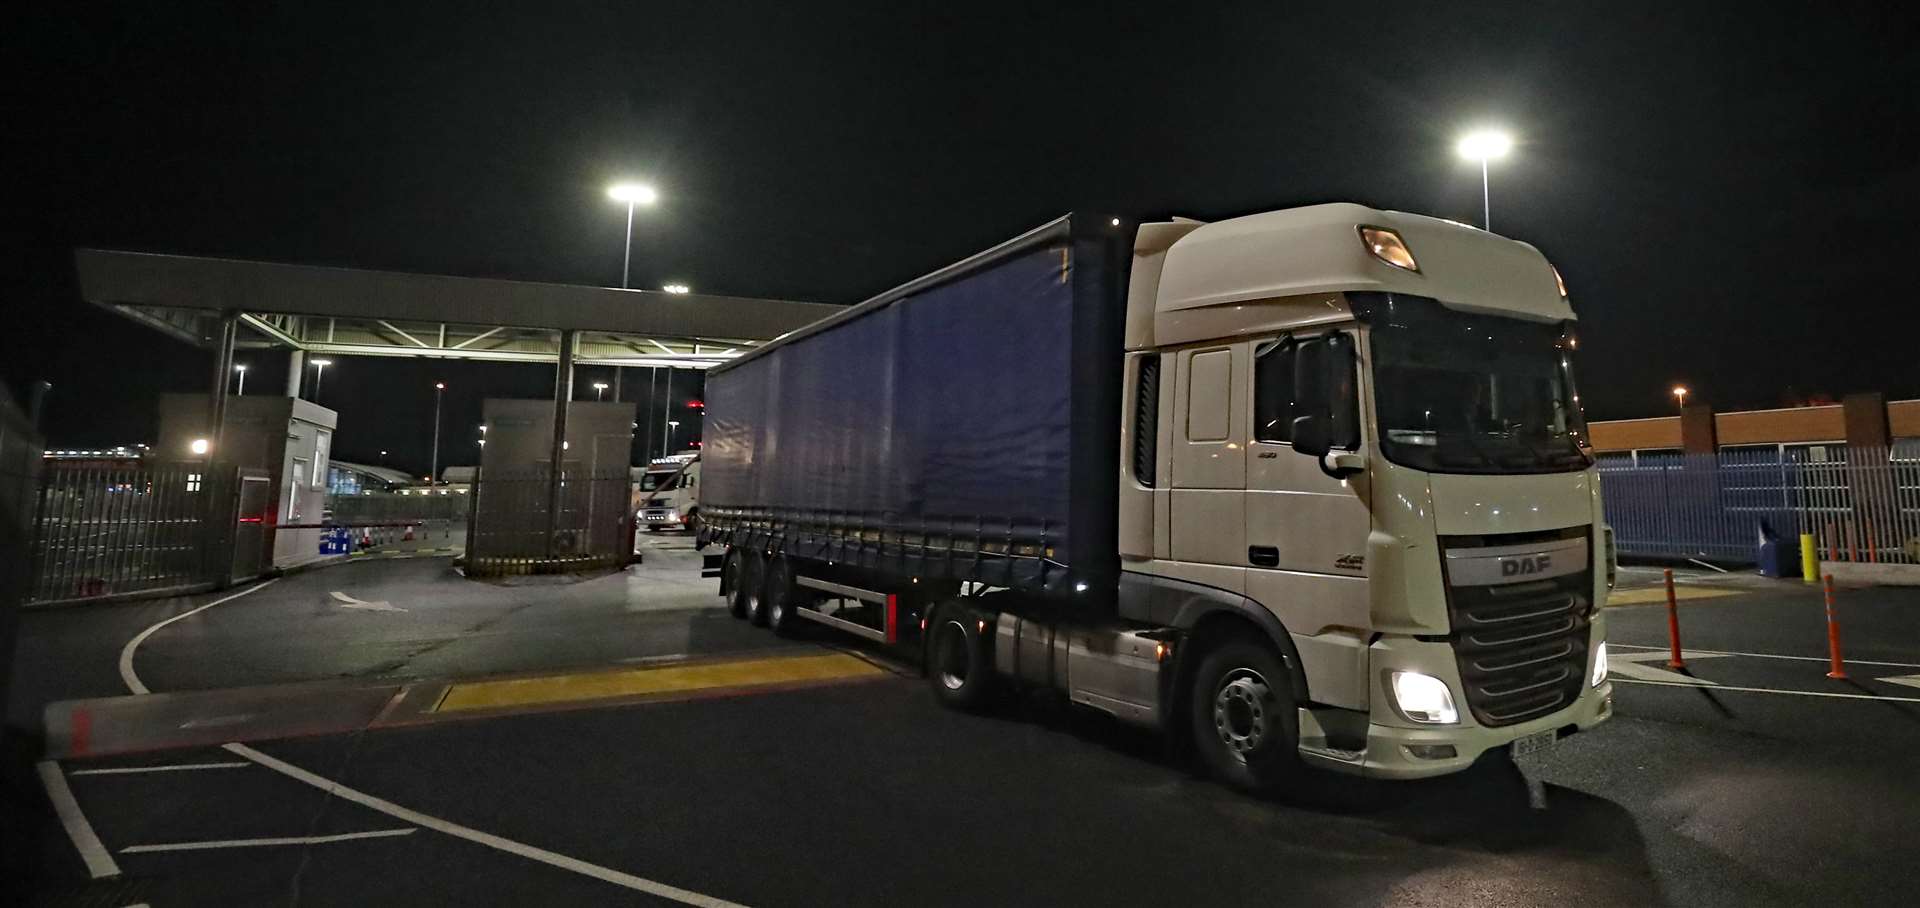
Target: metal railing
[(1859, 503), (509, 519), (104, 530)]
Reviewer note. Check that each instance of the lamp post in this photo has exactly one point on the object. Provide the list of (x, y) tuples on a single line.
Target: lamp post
[(242, 369), (1483, 146), (1680, 397), (672, 424), (439, 390), (632, 194), (599, 390), (320, 367)]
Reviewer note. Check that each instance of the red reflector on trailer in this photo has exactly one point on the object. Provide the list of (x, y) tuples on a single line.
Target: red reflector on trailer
[(893, 618)]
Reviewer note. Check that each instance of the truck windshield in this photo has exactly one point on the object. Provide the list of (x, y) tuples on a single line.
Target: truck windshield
[(653, 481), (1463, 393)]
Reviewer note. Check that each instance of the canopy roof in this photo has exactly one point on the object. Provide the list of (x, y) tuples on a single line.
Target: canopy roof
[(353, 311)]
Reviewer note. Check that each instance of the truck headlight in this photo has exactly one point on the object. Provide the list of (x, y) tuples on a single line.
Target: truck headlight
[(1599, 665), (1424, 698)]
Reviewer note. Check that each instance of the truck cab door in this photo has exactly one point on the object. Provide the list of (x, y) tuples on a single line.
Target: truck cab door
[(1209, 465), (1306, 535)]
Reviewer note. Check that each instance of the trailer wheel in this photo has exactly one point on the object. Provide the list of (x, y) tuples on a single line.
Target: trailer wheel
[(737, 582), (1243, 715), (781, 597), (958, 664)]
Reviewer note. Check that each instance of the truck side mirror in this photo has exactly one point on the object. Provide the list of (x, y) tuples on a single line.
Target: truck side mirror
[(1329, 400)]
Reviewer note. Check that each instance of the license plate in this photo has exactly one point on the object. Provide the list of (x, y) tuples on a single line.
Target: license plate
[(1536, 742)]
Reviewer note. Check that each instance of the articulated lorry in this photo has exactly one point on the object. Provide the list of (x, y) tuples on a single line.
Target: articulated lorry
[(1308, 487)]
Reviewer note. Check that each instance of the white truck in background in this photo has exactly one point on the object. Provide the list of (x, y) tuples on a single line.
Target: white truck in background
[(669, 493)]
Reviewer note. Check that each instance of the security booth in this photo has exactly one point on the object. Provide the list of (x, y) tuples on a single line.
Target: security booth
[(280, 447), (520, 519)]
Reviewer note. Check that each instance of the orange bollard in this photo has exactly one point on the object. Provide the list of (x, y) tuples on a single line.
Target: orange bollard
[(1853, 551), (1873, 546), (1838, 669), (1673, 625)]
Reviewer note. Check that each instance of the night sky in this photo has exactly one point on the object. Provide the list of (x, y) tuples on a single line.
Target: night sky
[(1729, 191)]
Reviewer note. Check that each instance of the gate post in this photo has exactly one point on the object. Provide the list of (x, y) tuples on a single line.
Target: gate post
[(562, 397)]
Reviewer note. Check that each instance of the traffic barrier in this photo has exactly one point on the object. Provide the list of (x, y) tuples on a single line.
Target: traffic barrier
[(1837, 668), (1673, 625)]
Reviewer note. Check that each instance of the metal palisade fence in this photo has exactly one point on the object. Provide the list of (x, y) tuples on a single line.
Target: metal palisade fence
[(108, 529), (511, 519), (1859, 503)]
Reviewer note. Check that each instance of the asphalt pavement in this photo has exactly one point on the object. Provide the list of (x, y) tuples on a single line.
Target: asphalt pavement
[(1747, 778)]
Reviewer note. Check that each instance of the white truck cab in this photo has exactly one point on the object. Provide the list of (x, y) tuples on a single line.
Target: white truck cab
[(669, 493), (1364, 424)]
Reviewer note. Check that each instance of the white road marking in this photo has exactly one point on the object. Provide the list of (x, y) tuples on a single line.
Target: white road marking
[(99, 863), (1769, 690), (1717, 652), (628, 880), (172, 767), (131, 680), (347, 601), (134, 684), (1908, 680), (259, 843), (1632, 665)]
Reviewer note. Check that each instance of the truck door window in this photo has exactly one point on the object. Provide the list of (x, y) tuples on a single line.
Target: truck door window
[(1274, 406), (1209, 388)]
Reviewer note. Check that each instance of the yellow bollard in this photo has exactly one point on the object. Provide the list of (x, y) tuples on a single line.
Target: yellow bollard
[(1809, 559)]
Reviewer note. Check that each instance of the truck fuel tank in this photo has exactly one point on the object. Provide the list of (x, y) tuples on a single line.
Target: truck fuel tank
[(1114, 670)]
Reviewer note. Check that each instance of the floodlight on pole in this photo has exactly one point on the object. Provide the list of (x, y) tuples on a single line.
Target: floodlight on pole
[(242, 369), (1680, 396), (1485, 145), (320, 366), (632, 194), (439, 391), (599, 390)]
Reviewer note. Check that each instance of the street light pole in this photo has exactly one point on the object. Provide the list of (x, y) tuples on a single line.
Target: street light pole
[(320, 372), (1484, 146), (439, 389), (632, 194), (599, 391), (666, 417), (242, 369)]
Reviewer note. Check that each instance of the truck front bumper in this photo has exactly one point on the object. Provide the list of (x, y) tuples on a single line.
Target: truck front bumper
[(1394, 752)]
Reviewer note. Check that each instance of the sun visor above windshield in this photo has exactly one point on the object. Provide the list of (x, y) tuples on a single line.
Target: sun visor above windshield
[(1318, 249)]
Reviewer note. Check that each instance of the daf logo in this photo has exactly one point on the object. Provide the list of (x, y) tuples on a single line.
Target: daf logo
[(1520, 567)]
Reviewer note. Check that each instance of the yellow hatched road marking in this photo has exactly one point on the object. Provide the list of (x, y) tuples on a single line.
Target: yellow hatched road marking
[(653, 680), (1659, 594)]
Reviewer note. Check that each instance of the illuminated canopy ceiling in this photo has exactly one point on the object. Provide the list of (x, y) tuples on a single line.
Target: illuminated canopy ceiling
[(356, 312)]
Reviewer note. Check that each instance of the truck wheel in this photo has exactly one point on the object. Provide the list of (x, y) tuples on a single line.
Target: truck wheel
[(737, 582), (958, 664), (756, 577), (1245, 724), (782, 596)]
